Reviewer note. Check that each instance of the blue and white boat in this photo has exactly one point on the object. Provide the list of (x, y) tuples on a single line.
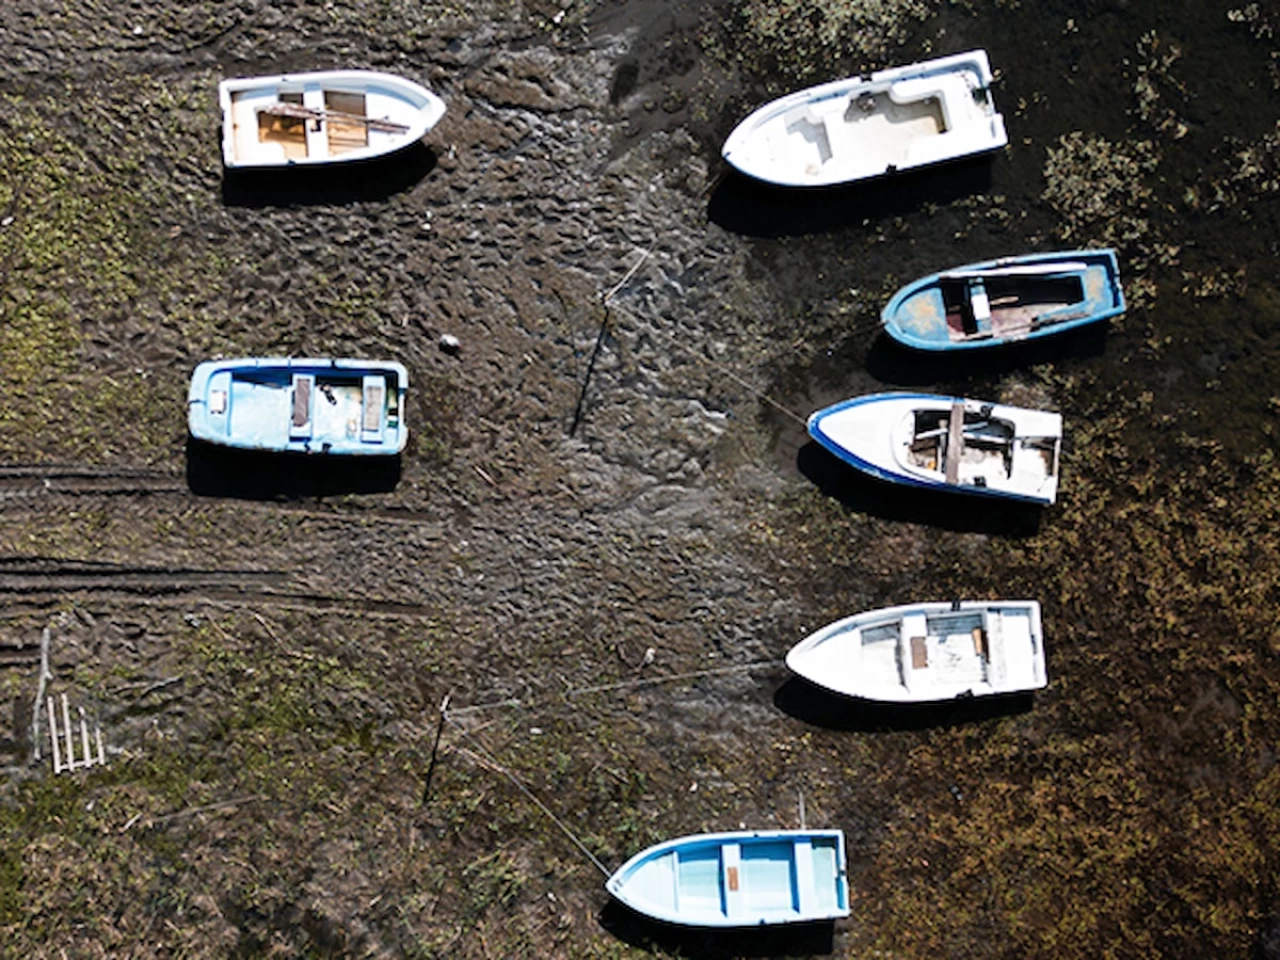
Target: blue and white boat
[(290, 405), (743, 879), (1006, 300), (946, 443), (928, 652)]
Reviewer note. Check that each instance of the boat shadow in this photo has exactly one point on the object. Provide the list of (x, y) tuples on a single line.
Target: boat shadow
[(810, 704), (863, 493), (214, 471), (891, 362), (749, 207), (334, 185), (783, 940)]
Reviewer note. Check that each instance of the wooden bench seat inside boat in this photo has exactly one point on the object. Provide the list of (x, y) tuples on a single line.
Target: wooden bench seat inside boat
[(374, 392), (346, 135), (955, 443), (300, 421), (919, 653), (288, 133)]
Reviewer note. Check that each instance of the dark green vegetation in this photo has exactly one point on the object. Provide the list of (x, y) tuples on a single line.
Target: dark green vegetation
[(268, 670)]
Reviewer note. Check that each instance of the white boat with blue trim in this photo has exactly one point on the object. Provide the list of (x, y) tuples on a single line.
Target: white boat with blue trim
[(1003, 301), (297, 405), (863, 127), (741, 879), (926, 652), (946, 443), (323, 117)]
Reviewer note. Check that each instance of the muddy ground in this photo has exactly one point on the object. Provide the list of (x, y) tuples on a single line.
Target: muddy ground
[(603, 581)]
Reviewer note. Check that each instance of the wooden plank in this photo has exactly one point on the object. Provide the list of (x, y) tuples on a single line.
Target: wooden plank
[(919, 653), (955, 443), (300, 421), (375, 392)]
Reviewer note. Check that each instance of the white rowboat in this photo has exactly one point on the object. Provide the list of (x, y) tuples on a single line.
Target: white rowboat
[(332, 116), (927, 652), (847, 130)]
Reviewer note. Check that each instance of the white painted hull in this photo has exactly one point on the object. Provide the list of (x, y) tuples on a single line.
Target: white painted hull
[(946, 443), (863, 127), (928, 652), (402, 112)]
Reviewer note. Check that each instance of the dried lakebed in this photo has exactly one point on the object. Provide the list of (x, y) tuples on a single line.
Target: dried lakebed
[(266, 649)]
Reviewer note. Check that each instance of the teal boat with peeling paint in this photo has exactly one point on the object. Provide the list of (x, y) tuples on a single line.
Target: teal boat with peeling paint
[(292, 405), (1007, 300), (741, 879)]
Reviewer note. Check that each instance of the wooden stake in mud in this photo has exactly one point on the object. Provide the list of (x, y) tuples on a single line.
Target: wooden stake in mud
[(45, 676), (435, 749), (591, 365), (604, 327)]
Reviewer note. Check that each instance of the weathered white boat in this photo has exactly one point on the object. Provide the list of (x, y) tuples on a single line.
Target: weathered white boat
[(330, 116), (741, 879), (926, 652), (862, 127), (946, 443)]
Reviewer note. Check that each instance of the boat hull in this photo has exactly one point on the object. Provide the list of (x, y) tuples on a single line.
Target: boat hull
[(860, 128), (742, 879), (305, 406), (928, 652), (879, 434), (996, 302), (354, 115)]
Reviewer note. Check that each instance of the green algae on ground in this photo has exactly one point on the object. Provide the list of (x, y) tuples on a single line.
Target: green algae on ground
[(798, 41)]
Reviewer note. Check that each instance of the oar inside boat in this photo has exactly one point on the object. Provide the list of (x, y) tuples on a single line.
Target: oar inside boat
[(299, 112)]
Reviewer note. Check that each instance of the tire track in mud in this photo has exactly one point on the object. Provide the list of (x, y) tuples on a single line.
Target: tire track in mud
[(37, 583), (21, 484), (35, 603), (27, 575), (27, 482)]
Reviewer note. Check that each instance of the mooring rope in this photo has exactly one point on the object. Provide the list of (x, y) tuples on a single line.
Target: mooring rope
[(722, 370), (495, 765), (669, 678)]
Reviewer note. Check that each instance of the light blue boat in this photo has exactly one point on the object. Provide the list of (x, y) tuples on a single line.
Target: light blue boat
[(289, 405), (738, 879), (1007, 300)]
